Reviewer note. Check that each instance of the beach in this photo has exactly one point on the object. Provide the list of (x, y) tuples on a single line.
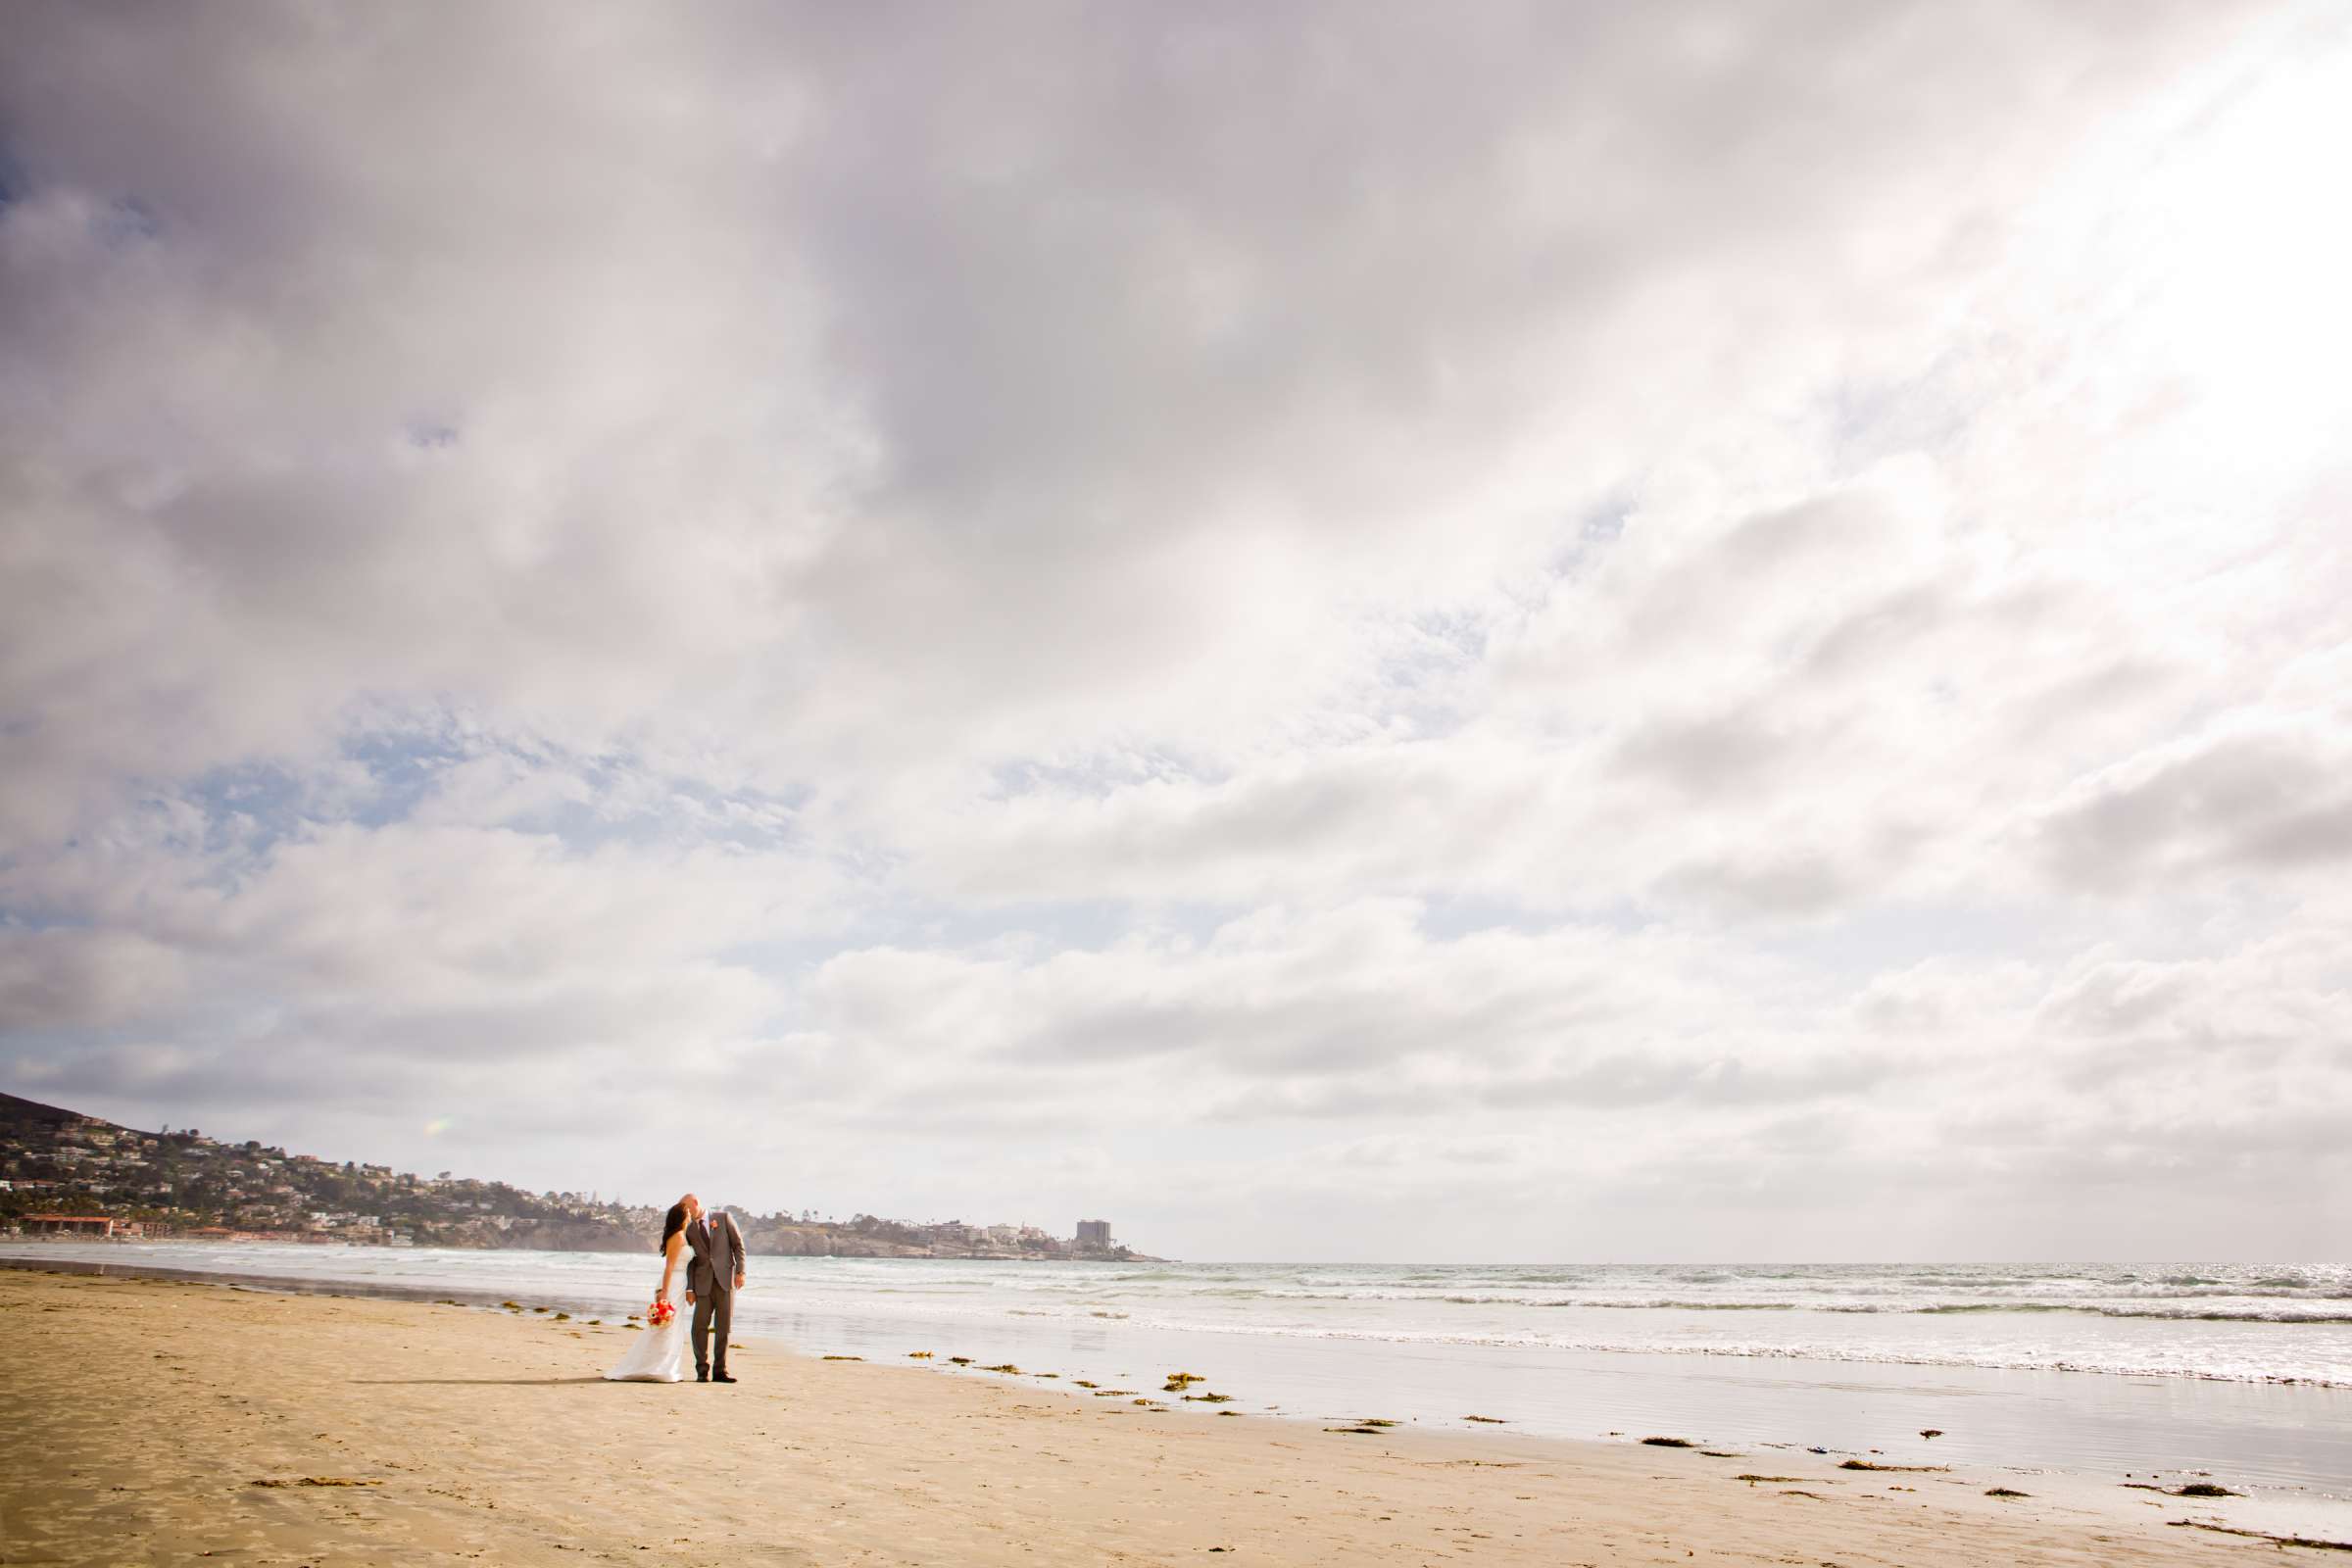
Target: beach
[(2119, 1370), (169, 1420)]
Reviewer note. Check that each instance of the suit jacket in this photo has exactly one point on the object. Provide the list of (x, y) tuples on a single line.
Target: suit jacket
[(717, 1255)]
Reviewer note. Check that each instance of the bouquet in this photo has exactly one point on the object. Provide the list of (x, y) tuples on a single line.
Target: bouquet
[(660, 1313)]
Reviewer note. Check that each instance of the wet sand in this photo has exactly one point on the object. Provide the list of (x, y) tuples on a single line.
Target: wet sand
[(165, 1421)]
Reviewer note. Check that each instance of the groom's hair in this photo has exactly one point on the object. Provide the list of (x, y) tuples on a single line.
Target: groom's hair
[(671, 1223)]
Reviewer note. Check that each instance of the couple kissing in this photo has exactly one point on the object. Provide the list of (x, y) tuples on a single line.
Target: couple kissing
[(714, 1248)]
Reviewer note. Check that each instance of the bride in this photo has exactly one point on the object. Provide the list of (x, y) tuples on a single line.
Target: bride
[(658, 1354)]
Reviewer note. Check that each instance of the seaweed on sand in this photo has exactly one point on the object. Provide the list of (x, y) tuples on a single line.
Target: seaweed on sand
[(1890, 1469), (2005, 1492), (317, 1481), (1668, 1443), (2306, 1541)]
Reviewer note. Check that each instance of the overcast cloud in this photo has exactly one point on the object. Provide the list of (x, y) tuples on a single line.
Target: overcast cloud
[(1551, 631)]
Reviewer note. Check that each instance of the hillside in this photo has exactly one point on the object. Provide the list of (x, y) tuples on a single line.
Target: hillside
[(182, 1183), (29, 1114)]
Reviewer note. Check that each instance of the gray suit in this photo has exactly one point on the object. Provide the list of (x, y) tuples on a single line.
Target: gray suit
[(710, 1276)]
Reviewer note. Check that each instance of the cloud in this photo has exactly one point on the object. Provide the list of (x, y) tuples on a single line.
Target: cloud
[(2244, 802), (1703, 607)]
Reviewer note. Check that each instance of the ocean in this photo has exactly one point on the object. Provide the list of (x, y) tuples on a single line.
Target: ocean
[(2129, 1370)]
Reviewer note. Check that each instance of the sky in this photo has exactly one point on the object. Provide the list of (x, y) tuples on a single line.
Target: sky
[(1330, 630)]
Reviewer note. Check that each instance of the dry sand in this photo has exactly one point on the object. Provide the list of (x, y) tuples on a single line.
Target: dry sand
[(160, 1421)]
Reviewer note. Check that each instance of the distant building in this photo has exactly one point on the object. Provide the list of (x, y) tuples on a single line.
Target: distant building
[(70, 1224), (1093, 1232)]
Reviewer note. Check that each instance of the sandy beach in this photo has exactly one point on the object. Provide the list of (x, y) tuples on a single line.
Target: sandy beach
[(167, 1421)]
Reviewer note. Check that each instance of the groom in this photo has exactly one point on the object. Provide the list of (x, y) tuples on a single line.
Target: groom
[(712, 1281)]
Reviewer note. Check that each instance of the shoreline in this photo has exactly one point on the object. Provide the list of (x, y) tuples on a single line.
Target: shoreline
[(301, 1284), (489, 1431), (2289, 1446)]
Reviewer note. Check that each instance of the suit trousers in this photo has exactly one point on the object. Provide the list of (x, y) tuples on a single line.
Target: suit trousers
[(712, 1310)]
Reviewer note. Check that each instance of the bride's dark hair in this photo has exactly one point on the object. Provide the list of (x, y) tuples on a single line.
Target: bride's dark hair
[(671, 1223)]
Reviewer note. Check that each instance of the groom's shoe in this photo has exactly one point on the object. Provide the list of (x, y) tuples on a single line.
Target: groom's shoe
[(720, 1377), (702, 1374)]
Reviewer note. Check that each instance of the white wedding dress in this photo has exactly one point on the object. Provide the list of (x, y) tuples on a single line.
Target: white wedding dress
[(656, 1355)]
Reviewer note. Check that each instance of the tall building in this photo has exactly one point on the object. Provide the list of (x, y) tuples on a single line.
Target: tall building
[(1093, 1232)]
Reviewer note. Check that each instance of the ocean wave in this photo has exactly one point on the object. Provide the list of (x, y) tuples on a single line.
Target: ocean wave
[(2145, 1313), (2246, 1339), (1987, 1359), (2272, 1305), (2266, 1316)]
